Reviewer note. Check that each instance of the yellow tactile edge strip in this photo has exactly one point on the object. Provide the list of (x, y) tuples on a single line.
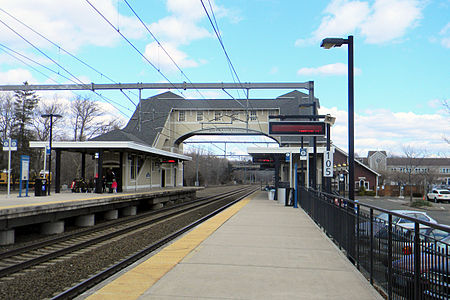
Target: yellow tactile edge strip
[(135, 282)]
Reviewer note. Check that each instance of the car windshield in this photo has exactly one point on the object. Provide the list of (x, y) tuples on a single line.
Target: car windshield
[(421, 217), (385, 217), (438, 234)]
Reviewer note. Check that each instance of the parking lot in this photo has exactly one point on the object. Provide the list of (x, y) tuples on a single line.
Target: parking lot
[(438, 211)]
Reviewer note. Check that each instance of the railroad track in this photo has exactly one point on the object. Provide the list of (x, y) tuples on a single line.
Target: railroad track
[(37, 253), (35, 258)]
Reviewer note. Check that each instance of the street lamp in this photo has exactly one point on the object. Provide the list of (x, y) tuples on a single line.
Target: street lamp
[(51, 116), (338, 42)]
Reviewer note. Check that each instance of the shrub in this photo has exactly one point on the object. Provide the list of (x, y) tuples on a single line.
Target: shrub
[(370, 193), (419, 203), (417, 195), (362, 191)]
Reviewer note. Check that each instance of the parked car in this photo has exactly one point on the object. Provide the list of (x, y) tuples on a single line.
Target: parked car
[(432, 257), (438, 282), (439, 195), (382, 220), (403, 241)]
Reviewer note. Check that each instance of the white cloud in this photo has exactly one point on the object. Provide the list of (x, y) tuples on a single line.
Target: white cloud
[(390, 20), (178, 30), (71, 23), (381, 22), (181, 28), (16, 76), (331, 69), (386, 130), (342, 17), (156, 54), (445, 33)]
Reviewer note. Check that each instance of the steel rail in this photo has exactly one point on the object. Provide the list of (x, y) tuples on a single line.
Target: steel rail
[(58, 253), (90, 282), (129, 219)]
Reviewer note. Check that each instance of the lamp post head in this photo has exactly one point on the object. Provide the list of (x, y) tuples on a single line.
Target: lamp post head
[(329, 119), (333, 42), (51, 115)]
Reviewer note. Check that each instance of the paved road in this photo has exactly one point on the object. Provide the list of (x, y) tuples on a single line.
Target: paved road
[(439, 211)]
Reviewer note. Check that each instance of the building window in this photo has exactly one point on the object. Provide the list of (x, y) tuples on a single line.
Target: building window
[(217, 116), (253, 115), (181, 116), (132, 160), (199, 116)]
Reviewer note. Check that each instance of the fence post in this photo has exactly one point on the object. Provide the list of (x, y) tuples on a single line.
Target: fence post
[(416, 261), (371, 246), (357, 235), (390, 257)]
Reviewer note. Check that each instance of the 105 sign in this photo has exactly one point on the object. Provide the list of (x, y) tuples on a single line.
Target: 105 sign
[(328, 164)]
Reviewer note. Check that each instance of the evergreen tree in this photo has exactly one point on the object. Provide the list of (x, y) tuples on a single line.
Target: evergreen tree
[(25, 102)]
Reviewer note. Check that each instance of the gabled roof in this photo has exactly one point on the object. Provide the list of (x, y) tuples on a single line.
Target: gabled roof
[(358, 162), (118, 135), (373, 152), (154, 111)]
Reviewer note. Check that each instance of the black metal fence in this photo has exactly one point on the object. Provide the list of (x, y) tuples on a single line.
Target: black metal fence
[(404, 256)]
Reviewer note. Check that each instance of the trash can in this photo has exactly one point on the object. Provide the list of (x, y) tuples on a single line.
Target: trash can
[(40, 187), (283, 192), (271, 194), (281, 195)]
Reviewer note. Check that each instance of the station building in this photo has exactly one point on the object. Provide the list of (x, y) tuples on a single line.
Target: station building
[(148, 151)]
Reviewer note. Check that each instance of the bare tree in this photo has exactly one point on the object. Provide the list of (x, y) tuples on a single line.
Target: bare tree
[(108, 126), (42, 125), (85, 115), (412, 160), (7, 114)]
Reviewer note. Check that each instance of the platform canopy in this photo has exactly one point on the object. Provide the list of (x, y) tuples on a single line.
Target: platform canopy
[(95, 146)]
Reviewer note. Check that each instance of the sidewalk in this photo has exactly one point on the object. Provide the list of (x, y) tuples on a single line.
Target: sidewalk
[(264, 251)]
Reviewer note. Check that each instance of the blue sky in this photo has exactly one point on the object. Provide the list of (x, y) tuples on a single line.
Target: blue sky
[(402, 55)]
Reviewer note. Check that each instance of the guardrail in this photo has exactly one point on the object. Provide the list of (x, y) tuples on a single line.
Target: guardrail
[(403, 256)]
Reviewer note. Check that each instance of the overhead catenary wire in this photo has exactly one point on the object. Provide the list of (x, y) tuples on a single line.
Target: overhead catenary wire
[(65, 51), (132, 45), (160, 45), (136, 49), (59, 74), (216, 31), (43, 53), (55, 62), (219, 37)]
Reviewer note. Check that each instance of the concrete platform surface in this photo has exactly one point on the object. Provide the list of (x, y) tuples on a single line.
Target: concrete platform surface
[(263, 250), (14, 201)]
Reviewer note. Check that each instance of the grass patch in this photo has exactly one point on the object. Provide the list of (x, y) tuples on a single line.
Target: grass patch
[(420, 203)]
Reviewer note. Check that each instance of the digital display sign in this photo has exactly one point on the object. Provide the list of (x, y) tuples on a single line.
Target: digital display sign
[(259, 160), (305, 128), (169, 161)]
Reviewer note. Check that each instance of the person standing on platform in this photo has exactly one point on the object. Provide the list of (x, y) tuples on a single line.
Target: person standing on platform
[(114, 186)]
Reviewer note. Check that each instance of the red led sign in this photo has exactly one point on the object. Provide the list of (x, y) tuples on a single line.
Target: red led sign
[(262, 160), (169, 161), (306, 128)]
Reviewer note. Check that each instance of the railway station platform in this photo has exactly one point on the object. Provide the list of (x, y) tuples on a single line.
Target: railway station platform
[(256, 249), (51, 212)]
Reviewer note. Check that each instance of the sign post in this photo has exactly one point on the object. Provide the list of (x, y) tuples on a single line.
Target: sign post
[(9, 145), (303, 154), (24, 173), (328, 164)]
